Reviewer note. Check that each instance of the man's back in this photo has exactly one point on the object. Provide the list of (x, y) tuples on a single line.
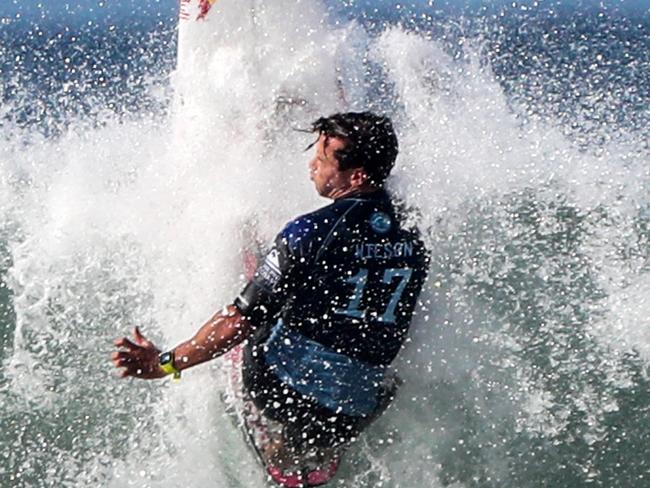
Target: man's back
[(354, 277)]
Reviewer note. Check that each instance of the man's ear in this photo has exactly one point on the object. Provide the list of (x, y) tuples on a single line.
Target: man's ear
[(359, 177)]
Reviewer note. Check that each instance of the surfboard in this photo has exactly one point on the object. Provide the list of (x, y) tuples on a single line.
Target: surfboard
[(281, 66), (300, 67)]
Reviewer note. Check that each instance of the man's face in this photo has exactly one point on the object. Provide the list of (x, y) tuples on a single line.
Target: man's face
[(324, 168)]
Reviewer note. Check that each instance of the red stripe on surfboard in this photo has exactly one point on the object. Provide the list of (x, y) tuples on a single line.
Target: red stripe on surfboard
[(204, 8)]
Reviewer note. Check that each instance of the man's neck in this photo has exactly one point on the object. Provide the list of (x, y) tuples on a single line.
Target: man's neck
[(364, 189)]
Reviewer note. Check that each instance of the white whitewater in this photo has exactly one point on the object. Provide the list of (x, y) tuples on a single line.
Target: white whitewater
[(139, 222)]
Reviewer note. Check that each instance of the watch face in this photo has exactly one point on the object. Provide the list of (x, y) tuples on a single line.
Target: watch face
[(165, 358)]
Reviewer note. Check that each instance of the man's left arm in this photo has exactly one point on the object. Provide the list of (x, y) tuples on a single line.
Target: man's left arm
[(141, 358)]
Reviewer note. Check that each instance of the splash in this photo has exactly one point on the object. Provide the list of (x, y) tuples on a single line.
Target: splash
[(528, 364)]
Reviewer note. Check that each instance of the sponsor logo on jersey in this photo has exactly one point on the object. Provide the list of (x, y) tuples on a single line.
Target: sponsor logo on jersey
[(380, 222), (269, 273), (402, 249), (273, 260)]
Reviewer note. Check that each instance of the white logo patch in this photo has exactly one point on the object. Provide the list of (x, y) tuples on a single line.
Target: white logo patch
[(269, 273), (273, 260)]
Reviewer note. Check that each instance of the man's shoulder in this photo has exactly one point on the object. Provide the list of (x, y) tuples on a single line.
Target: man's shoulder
[(313, 227)]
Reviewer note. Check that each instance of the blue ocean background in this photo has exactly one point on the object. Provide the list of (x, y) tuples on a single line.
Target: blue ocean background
[(531, 368)]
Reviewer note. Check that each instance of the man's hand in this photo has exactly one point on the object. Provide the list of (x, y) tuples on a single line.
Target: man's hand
[(139, 359), (222, 332)]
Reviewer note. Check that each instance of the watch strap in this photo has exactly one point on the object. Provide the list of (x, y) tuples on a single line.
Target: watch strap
[(167, 364)]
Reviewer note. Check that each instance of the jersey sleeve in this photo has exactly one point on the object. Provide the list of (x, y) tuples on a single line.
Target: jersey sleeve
[(277, 275)]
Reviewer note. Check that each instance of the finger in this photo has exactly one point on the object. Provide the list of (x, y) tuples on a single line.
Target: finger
[(140, 339), (122, 373), (121, 355), (121, 358), (124, 342), (131, 370), (122, 362)]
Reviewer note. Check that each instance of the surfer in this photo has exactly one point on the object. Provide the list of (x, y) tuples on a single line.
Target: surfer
[(328, 308)]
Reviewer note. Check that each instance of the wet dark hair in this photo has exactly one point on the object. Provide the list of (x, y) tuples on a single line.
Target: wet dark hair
[(370, 142)]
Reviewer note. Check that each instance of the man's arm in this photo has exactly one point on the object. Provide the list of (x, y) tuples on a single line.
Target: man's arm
[(140, 358), (221, 333)]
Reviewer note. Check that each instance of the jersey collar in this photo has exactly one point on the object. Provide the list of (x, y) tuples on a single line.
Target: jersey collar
[(380, 194)]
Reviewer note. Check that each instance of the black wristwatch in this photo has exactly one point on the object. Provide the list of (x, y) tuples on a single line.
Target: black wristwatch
[(167, 364)]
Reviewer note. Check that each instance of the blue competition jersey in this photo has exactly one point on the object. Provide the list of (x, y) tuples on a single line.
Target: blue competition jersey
[(339, 287)]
